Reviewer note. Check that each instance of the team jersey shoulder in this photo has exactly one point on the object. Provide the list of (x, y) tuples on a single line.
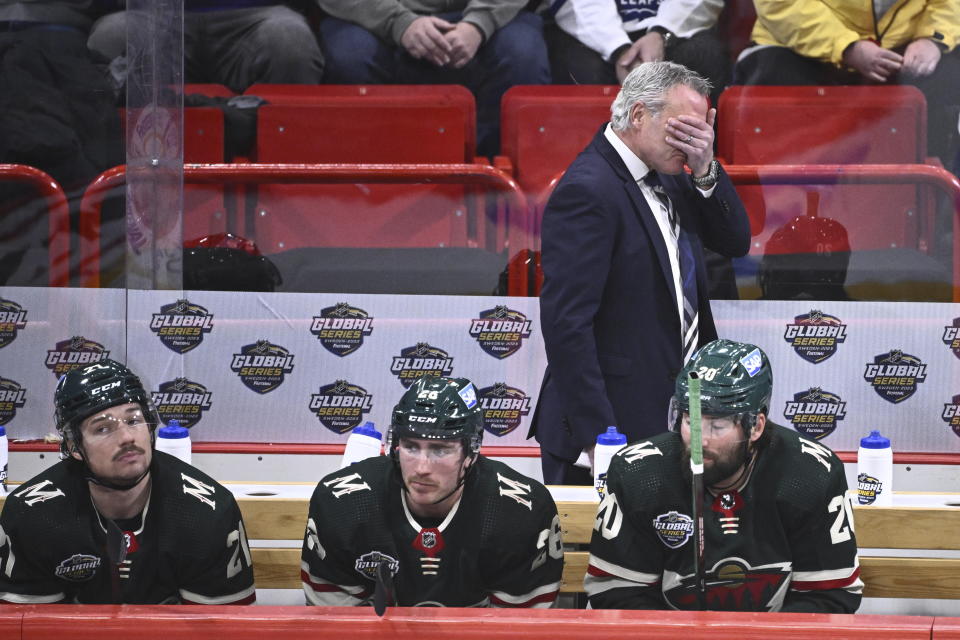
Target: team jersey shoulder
[(643, 471), (814, 470), (515, 495), (53, 490), (353, 483), (201, 503)]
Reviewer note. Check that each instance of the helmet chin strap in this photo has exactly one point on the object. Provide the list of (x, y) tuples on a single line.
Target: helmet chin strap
[(460, 481), (103, 482)]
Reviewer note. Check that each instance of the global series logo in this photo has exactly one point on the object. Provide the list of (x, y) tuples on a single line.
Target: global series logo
[(895, 375), (815, 335), (342, 328), (503, 408), (12, 397), (673, 528), (74, 353), (500, 331), (950, 415), (815, 412), (262, 366), (341, 406), (950, 337), (182, 400), (418, 361), (181, 325), (13, 318)]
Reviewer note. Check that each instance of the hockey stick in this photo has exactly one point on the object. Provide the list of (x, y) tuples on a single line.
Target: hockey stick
[(383, 592), (696, 470)]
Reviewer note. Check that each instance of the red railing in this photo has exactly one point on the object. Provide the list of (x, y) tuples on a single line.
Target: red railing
[(58, 216), (474, 175)]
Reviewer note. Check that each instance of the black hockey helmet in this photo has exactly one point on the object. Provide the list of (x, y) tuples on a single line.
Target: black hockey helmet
[(735, 380), (438, 409), (96, 387)]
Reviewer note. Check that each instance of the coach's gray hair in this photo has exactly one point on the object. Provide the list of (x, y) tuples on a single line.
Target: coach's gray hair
[(649, 83)]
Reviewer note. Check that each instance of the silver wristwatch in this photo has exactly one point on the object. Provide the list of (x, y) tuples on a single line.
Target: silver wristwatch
[(707, 181)]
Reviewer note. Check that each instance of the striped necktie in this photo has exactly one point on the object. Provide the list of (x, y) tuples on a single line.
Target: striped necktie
[(688, 275)]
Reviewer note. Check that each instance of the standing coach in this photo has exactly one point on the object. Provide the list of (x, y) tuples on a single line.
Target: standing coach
[(624, 302)]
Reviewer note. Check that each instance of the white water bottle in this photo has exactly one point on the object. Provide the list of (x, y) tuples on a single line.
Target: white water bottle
[(175, 440), (608, 443), (4, 455), (875, 471), (363, 443)]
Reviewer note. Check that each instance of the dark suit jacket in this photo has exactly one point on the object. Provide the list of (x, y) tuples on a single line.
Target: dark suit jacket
[(608, 306)]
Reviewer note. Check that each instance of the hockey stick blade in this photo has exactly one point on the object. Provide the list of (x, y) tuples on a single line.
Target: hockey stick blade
[(383, 591)]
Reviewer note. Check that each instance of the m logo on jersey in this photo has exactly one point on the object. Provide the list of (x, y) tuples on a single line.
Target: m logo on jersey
[(12, 397), (368, 563), (418, 361), (815, 335), (262, 366), (868, 488), (500, 331), (673, 528), (732, 585), (73, 354), (341, 406), (950, 415), (13, 318), (815, 412), (77, 568), (503, 408), (342, 328), (183, 400), (950, 337), (895, 375), (181, 325), (36, 493)]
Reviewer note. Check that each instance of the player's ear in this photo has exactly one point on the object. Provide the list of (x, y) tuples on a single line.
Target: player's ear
[(758, 427), (637, 111)]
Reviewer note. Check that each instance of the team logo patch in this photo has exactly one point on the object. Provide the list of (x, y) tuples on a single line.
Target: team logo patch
[(342, 328), (262, 366), (183, 400), (895, 375), (78, 568), (726, 505), (368, 563), (732, 585), (950, 415), (500, 331), (815, 336), (503, 408), (815, 412), (341, 406), (13, 318), (950, 337), (418, 361), (868, 488), (12, 397), (673, 528), (73, 354), (181, 325), (752, 362)]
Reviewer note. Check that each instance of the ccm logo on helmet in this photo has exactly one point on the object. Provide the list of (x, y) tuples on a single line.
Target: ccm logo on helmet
[(106, 387), (422, 419)]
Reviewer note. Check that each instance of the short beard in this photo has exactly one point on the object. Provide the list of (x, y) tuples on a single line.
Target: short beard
[(718, 471)]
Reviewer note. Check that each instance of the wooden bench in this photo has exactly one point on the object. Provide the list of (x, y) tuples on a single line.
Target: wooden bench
[(908, 528), (933, 529)]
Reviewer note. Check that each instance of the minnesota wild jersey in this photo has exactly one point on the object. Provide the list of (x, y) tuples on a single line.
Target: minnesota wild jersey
[(499, 546), (783, 542), (188, 545)]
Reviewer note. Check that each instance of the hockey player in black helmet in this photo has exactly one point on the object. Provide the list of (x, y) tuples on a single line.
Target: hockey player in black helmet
[(453, 527), (116, 521), (778, 532)]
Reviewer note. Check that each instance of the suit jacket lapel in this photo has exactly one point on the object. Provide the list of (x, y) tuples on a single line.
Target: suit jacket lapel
[(640, 206)]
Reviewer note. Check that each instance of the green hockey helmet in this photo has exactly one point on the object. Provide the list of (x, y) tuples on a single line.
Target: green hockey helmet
[(85, 391), (438, 409), (735, 380)]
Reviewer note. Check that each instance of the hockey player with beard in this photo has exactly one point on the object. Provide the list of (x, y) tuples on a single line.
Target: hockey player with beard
[(116, 521), (777, 521), (433, 523)]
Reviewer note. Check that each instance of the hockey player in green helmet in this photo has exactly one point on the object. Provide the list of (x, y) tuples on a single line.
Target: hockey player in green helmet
[(777, 521)]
